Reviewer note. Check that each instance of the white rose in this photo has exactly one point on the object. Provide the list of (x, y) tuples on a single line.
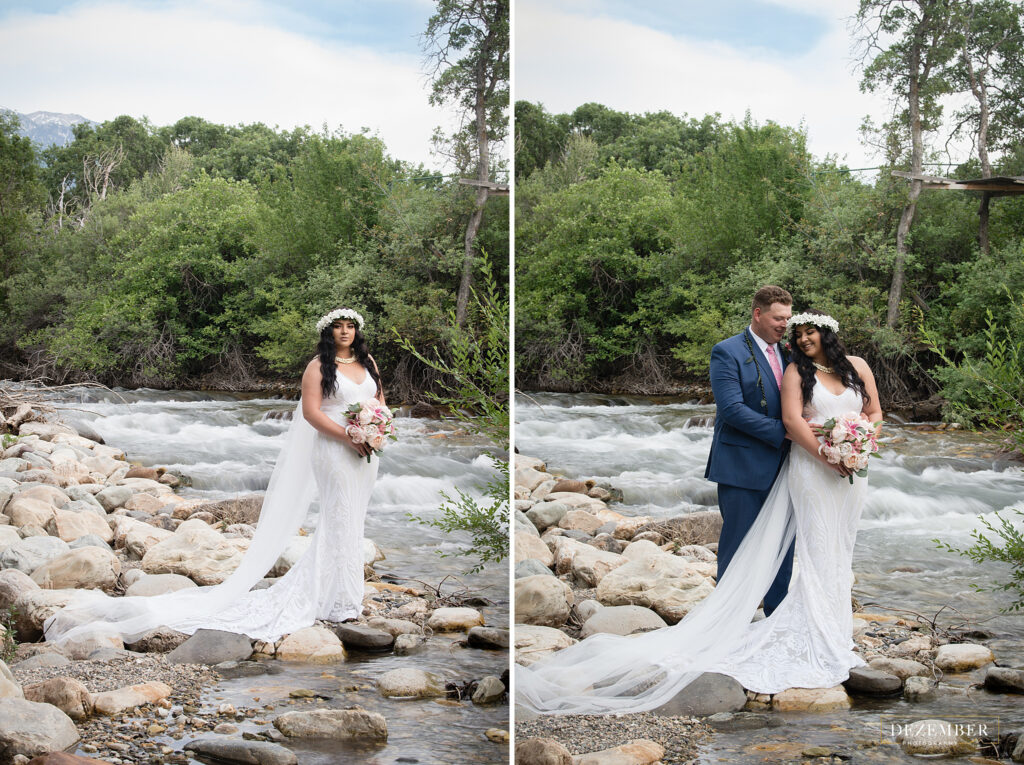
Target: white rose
[(371, 430), (845, 449), (377, 441), (365, 416), (851, 460), (356, 434)]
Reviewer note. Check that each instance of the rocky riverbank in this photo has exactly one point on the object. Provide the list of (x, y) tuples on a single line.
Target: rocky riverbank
[(76, 515), (582, 568)]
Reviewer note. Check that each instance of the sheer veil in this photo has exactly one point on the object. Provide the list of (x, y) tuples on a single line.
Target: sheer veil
[(285, 505), (614, 674)]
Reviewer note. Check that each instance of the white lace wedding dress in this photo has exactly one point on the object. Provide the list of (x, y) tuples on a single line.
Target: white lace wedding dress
[(325, 583), (807, 642)]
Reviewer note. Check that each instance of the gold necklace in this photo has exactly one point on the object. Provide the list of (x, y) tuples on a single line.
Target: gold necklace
[(823, 368), (349, 360)]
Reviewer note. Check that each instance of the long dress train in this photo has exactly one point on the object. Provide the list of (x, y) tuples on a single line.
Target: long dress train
[(325, 583), (807, 642)]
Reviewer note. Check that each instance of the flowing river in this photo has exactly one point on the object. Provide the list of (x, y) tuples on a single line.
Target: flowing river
[(226, 444), (928, 484)]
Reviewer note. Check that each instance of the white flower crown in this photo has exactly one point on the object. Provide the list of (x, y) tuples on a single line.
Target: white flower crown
[(339, 313), (817, 319)]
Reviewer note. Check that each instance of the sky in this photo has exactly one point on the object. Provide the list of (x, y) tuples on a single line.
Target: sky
[(344, 63), (788, 61)]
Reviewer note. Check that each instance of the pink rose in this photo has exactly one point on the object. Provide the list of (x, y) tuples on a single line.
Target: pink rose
[(371, 430), (356, 434), (377, 441), (851, 460)]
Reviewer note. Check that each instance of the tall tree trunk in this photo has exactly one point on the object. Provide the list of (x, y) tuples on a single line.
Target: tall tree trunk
[(483, 168), (979, 88)]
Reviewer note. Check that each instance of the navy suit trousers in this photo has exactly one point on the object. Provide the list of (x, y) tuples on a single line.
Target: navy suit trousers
[(739, 508)]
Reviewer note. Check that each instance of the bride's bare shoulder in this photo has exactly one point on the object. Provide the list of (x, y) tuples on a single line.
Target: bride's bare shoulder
[(859, 364), (313, 368)]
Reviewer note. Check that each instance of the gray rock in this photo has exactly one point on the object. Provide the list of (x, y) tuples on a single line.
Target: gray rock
[(212, 647), (408, 644), (918, 688), (82, 500), (546, 514), (707, 695), (489, 690), (31, 553), (333, 723), (362, 638), (233, 669), (411, 682), (524, 525), (114, 497), (1004, 680), (864, 681), (89, 540), (243, 751), (47, 659), (531, 567), (488, 637), (160, 640), (30, 728), (623, 620)]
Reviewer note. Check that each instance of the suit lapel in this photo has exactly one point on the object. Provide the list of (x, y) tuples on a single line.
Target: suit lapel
[(766, 369)]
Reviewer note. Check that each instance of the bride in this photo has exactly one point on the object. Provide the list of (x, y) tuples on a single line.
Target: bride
[(807, 641), (327, 581)]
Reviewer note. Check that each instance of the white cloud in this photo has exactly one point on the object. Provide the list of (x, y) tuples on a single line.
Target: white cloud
[(218, 61), (565, 58)]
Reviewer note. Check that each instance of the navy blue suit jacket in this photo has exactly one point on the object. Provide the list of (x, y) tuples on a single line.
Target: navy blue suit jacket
[(750, 440)]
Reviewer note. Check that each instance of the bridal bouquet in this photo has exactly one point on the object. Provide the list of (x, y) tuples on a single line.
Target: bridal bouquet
[(370, 422), (849, 440)]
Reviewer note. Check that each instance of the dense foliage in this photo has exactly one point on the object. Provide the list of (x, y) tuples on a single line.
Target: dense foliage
[(199, 253)]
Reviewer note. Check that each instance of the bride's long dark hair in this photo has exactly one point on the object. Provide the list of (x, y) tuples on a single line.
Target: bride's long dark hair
[(835, 352), (325, 351)]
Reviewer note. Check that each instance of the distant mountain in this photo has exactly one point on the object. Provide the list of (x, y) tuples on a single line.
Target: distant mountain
[(46, 128)]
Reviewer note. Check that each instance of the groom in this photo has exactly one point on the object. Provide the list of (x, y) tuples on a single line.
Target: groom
[(750, 439)]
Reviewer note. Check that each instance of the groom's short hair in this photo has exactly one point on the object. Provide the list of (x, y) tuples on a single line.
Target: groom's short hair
[(769, 294)]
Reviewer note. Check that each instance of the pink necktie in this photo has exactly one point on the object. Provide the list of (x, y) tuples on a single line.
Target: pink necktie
[(773, 359)]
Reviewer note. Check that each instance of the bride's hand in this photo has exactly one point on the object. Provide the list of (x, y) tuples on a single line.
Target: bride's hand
[(363, 449)]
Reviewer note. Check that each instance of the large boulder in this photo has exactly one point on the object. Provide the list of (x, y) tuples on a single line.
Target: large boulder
[(640, 751), (140, 539), (14, 584), (542, 751), (90, 568), (664, 583), (212, 647), (196, 551), (494, 638), (811, 699), (527, 546), (333, 723), (620, 620), (114, 702), (114, 497), (295, 549), (587, 565), (243, 509), (363, 638), (242, 751), (454, 619), (411, 683), (30, 728), (34, 607), (32, 552), (866, 681), (962, 657), (1004, 680), (534, 642), (159, 584), (546, 514), (543, 600), (709, 694), (28, 511), (316, 644), (902, 668), (66, 693), (8, 536)]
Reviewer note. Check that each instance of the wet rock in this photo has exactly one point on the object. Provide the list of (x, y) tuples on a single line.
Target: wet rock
[(542, 751), (961, 657), (872, 682), (663, 583), (114, 702), (527, 546), (542, 600), (912, 646), (30, 728), (235, 669), (31, 553), (935, 737), (212, 647), (919, 689), (90, 568), (1004, 680), (333, 723), (493, 638), (9, 686), (489, 690), (362, 638), (63, 758), (311, 644), (66, 693), (157, 584), (243, 751), (395, 627), (620, 620), (709, 694), (902, 668), (529, 567), (533, 642), (411, 682), (637, 752), (408, 644), (454, 619), (811, 699)]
